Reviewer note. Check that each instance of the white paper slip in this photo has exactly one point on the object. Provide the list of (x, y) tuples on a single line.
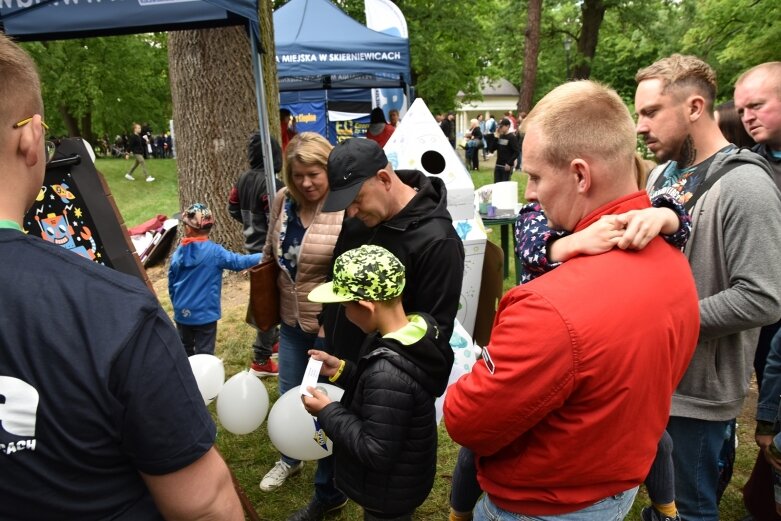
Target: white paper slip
[(311, 375)]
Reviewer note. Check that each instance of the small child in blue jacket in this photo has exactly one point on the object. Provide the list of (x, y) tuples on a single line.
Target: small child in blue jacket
[(195, 280)]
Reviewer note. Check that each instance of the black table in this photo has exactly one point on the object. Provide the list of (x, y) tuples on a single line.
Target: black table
[(506, 221)]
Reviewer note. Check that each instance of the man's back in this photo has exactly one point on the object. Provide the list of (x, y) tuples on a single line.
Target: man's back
[(94, 377), (594, 349)]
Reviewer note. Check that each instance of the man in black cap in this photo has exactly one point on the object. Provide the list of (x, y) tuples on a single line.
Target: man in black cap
[(406, 213), (507, 151)]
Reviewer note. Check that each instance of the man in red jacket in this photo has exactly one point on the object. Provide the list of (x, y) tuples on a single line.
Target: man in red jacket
[(566, 408)]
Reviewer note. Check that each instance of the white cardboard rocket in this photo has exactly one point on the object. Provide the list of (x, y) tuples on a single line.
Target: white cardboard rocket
[(418, 143)]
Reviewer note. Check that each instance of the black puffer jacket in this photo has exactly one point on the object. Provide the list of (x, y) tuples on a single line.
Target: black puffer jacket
[(384, 429), (422, 237)]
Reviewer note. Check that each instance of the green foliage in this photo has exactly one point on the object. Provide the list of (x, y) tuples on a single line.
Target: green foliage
[(104, 83), (734, 35)]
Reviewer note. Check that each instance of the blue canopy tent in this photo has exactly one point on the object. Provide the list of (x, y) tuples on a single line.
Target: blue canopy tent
[(322, 50), (54, 20)]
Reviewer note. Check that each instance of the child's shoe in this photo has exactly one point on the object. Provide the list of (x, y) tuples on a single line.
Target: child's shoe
[(651, 514), (267, 368), (277, 476)]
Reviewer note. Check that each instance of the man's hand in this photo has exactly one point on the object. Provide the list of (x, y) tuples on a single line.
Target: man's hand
[(642, 226), (317, 402), (330, 363)]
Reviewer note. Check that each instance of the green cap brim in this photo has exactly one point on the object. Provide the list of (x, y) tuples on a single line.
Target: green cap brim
[(324, 294)]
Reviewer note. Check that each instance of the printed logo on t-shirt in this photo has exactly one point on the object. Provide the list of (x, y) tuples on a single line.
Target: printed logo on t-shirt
[(18, 411)]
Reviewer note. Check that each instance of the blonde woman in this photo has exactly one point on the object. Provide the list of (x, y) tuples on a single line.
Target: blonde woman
[(301, 239)]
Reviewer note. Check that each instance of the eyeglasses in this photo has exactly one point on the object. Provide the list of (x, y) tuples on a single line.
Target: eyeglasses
[(50, 147)]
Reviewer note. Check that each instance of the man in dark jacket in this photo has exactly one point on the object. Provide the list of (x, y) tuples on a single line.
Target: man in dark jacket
[(248, 204), (137, 147), (406, 213), (384, 428), (507, 150)]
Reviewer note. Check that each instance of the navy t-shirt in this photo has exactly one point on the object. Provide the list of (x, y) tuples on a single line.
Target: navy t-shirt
[(94, 387)]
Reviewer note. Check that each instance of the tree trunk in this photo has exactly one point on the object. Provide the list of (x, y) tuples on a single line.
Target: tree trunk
[(530, 53), (213, 96), (269, 64), (593, 13), (70, 121), (86, 128)]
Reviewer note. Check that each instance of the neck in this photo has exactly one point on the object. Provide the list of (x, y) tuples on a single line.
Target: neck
[(704, 144), (390, 319), (403, 197)]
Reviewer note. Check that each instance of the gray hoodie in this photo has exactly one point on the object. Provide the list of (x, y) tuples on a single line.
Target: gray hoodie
[(733, 251)]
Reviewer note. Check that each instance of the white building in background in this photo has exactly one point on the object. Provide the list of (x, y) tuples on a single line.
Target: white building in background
[(499, 96)]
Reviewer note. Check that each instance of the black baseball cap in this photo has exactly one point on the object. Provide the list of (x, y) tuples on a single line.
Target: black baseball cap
[(350, 164)]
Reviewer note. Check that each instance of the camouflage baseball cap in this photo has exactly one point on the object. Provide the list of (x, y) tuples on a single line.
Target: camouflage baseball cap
[(367, 273), (198, 216)]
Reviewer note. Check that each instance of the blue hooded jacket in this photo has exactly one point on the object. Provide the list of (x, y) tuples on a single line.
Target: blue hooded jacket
[(195, 280)]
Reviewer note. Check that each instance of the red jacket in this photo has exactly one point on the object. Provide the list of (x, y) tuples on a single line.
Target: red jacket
[(383, 136), (585, 360)]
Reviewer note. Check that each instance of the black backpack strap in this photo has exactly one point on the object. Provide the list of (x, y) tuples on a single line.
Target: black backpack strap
[(709, 181)]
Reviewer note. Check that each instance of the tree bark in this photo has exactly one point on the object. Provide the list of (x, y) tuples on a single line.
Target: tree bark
[(212, 90), (70, 121), (593, 13), (530, 53), (269, 64)]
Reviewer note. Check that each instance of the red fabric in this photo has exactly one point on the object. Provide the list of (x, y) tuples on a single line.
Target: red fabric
[(383, 136), (152, 225), (586, 359), (189, 240)]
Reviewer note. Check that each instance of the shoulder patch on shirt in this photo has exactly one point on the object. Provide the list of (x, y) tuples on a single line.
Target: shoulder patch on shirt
[(489, 363)]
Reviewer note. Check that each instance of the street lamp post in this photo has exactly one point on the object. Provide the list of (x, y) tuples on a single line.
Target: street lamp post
[(567, 47)]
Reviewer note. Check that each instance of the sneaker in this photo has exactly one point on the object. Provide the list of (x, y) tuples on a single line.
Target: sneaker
[(149, 179), (651, 514), (315, 511), (267, 368), (129, 177), (275, 348), (275, 477)]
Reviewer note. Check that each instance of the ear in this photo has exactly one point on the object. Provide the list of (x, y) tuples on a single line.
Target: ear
[(366, 305), (581, 171), (30, 146), (695, 106), (385, 178)]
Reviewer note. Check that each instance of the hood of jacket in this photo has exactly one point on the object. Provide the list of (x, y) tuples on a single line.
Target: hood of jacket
[(255, 153), (423, 361), (194, 253), (430, 202)]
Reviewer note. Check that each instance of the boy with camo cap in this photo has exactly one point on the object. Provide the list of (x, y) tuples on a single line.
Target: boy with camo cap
[(384, 429)]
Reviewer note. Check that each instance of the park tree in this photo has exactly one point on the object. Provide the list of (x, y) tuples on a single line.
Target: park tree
[(213, 96), (531, 51), (97, 86), (734, 35)]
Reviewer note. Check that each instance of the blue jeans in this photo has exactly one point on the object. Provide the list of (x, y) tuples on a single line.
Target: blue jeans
[(293, 346), (612, 508), (697, 444)]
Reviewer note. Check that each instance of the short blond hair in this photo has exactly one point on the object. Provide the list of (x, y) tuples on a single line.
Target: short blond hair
[(583, 118), (771, 69), (681, 75), (306, 148), (20, 86)]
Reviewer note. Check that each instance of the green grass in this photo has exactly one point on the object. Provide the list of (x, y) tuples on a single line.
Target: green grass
[(139, 200), (251, 456)]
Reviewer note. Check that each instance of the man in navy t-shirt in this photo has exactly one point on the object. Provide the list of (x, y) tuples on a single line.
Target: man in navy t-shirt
[(100, 415)]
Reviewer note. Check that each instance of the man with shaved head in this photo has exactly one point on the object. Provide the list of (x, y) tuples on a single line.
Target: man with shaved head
[(566, 408)]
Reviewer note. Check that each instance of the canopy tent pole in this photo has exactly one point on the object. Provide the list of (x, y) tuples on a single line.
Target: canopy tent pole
[(260, 100)]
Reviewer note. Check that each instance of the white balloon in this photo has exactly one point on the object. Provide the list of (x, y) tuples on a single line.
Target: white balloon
[(242, 403), (209, 373), (296, 433)]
